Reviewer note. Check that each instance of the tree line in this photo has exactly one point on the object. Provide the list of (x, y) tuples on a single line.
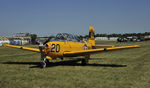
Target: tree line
[(117, 35), (34, 36)]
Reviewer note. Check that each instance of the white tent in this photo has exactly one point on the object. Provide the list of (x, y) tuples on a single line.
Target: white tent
[(4, 41)]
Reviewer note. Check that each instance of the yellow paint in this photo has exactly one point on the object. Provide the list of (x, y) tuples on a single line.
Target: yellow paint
[(64, 46), (104, 45), (48, 57), (91, 36), (21, 47), (123, 47), (91, 51)]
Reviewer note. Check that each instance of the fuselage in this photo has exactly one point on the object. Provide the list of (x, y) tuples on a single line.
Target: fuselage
[(64, 42), (56, 49)]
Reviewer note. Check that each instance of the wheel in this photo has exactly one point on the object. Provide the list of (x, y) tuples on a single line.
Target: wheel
[(47, 61), (43, 64), (84, 62)]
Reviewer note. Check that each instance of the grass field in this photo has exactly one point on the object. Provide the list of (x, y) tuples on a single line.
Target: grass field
[(129, 68)]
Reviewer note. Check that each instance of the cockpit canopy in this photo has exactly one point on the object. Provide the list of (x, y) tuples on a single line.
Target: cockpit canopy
[(67, 37)]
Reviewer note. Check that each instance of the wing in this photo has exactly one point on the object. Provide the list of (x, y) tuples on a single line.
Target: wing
[(92, 51), (21, 47), (104, 46), (26, 48)]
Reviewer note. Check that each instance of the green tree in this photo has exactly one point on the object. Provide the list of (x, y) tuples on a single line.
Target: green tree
[(33, 38)]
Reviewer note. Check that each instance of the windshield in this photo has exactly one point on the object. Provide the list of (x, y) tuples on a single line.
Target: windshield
[(67, 37)]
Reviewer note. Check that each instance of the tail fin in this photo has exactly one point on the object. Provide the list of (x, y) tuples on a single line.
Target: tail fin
[(91, 35)]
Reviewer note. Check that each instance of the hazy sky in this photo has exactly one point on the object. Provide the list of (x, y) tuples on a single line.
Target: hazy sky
[(47, 17)]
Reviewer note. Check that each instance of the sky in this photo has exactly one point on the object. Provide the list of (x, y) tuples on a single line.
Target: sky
[(49, 17)]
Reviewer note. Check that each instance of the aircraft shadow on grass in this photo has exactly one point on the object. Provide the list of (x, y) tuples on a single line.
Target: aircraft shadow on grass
[(64, 63)]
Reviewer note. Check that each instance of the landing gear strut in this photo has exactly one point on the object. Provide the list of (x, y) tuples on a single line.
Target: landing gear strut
[(43, 57), (44, 62)]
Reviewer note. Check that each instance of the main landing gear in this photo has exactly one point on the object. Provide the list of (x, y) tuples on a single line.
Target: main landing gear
[(85, 60), (44, 61)]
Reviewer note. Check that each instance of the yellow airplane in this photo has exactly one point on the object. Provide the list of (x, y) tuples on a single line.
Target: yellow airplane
[(67, 45)]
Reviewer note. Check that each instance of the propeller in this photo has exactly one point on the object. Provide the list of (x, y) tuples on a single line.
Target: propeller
[(44, 60)]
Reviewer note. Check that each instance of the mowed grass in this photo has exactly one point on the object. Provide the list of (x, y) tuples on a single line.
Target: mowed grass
[(129, 68)]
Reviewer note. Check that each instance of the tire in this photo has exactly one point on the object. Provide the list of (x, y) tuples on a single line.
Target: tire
[(83, 62), (47, 61), (43, 64)]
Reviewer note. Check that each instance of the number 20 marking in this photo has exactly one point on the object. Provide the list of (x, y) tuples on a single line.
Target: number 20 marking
[(55, 48)]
